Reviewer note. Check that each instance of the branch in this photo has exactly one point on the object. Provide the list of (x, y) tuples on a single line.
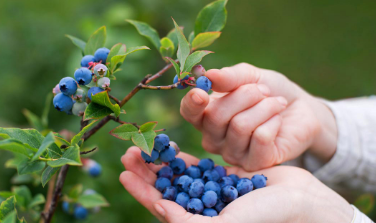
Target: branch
[(115, 99), (158, 74), (117, 119), (87, 152), (50, 192), (168, 87)]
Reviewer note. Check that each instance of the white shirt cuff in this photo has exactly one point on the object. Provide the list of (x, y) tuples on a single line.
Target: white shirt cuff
[(359, 217)]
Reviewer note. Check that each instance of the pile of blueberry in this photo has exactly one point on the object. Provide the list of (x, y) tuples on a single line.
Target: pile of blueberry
[(69, 96), (77, 210), (203, 189), (202, 82)]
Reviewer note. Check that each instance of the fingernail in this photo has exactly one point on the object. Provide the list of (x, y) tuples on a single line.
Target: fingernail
[(159, 209), (282, 100), (197, 99), (263, 89)]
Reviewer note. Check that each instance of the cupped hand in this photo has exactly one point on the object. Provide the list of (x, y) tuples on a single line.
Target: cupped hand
[(257, 118), (291, 195)]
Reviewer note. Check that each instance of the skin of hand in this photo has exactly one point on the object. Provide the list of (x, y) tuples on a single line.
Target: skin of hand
[(291, 195), (257, 118)]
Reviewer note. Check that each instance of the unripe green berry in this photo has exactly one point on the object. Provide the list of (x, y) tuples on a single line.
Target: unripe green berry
[(198, 71), (79, 108), (104, 82), (100, 70), (80, 95)]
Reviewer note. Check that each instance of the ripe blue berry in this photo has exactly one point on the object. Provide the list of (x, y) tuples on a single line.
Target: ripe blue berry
[(80, 213), (104, 82), (177, 166), (165, 172), (226, 181), (62, 102), (234, 178), (244, 186), (181, 86), (210, 212), (94, 91), (147, 158), (196, 189), (167, 155), (221, 170), (169, 193), (83, 76), (228, 194), (175, 181), (220, 205), (86, 60), (259, 181), (184, 182), (199, 180), (206, 164), (162, 183), (209, 199), (68, 86), (161, 142), (101, 55), (182, 199), (193, 171), (66, 208), (79, 108), (95, 170), (198, 71), (213, 186), (210, 175), (195, 206), (203, 83)]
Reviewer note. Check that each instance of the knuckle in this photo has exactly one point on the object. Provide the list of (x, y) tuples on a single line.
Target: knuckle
[(263, 136), (239, 125), (273, 104), (213, 117)]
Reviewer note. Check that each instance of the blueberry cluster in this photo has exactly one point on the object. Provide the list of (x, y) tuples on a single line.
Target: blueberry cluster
[(202, 82), (164, 150), (70, 95), (75, 209)]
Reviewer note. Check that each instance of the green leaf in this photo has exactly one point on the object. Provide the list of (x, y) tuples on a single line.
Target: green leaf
[(70, 157), (184, 49), (23, 195), (194, 59), (30, 137), (15, 146), (365, 203), (212, 17), (143, 137), (103, 99), (95, 111), (48, 141), (96, 41), (75, 192), (77, 137), (204, 39), (92, 200), (46, 110), (11, 217), (145, 30), (175, 65), (27, 167), (6, 194), (191, 37), (33, 120), (61, 141), (117, 49), (76, 41), (7, 207), (167, 48), (37, 200), (117, 60), (173, 37), (47, 174)]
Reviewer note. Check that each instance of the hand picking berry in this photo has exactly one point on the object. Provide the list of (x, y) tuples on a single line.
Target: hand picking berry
[(68, 86), (203, 83), (83, 76)]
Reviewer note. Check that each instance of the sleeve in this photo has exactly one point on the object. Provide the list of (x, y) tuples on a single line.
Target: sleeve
[(353, 166), (359, 217)]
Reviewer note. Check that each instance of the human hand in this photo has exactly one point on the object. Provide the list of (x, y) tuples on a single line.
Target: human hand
[(292, 194), (258, 118)]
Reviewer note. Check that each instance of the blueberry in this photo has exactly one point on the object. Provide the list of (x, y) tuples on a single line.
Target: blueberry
[(176, 147), (101, 55), (221, 170), (209, 199), (100, 70), (94, 91), (234, 178), (161, 142), (80, 213), (83, 76), (80, 95), (244, 186), (104, 82), (66, 208), (226, 181), (177, 166), (198, 71), (184, 182), (147, 158), (62, 102), (196, 189), (68, 86), (210, 212), (228, 194), (181, 86), (203, 83), (199, 180), (162, 183), (86, 60), (169, 193), (193, 171), (213, 186), (206, 164), (175, 181), (95, 170), (210, 175), (182, 199), (165, 172), (79, 108), (259, 181), (195, 206), (220, 205), (167, 155)]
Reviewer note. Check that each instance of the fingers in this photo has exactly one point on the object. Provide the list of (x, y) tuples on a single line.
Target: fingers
[(193, 106)]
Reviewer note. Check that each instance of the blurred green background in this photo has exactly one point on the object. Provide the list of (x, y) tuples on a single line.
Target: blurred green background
[(326, 46)]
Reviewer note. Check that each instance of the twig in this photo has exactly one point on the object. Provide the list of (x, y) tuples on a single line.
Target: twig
[(168, 87), (158, 74), (50, 192), (117, 119), (87, 152), (115, 99), (160, 130)]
